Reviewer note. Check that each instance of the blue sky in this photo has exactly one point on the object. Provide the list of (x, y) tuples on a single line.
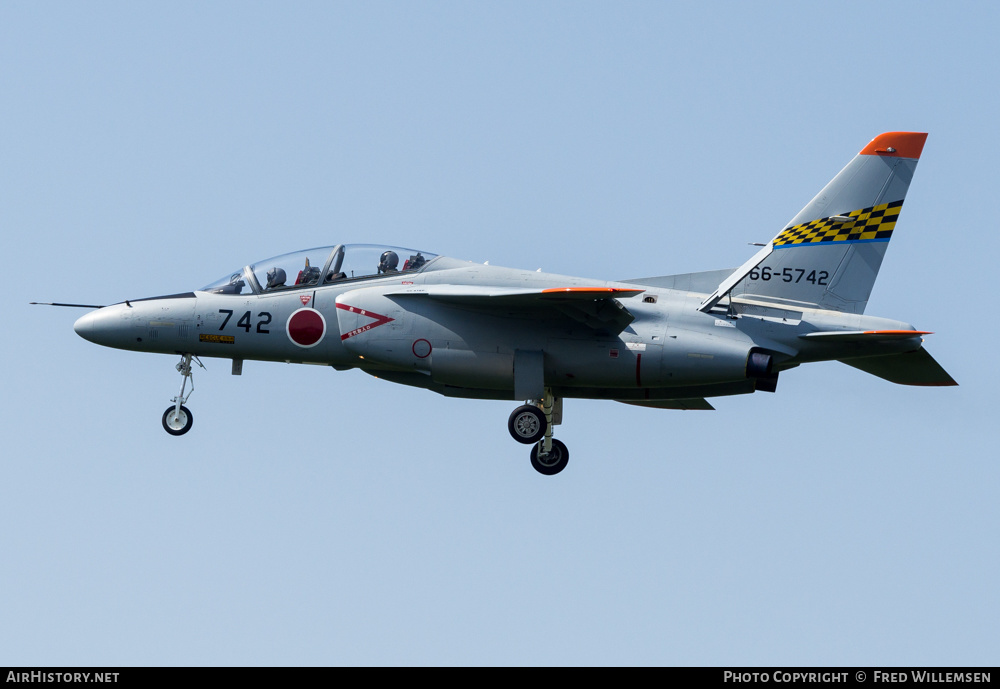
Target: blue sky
[(322, 518)]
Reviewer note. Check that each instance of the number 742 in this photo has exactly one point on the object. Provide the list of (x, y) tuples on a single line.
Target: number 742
[(263, 318)]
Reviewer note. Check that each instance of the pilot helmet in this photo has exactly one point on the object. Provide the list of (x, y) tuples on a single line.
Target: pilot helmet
[(275, 277), (388, 261)]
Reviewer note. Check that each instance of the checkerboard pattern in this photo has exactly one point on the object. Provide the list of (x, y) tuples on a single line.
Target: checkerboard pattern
[(875, 223)]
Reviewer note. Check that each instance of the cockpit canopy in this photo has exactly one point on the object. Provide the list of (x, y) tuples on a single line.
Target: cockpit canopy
[(320, 266)]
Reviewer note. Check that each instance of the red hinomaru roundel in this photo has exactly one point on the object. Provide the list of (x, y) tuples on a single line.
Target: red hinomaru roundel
[(306, 327)]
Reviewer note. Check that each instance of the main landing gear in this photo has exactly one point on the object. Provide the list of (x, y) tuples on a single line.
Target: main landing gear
[(178, 419), (532, 424)]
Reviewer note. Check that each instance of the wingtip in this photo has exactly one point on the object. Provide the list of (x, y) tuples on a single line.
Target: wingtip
[(897, 144)]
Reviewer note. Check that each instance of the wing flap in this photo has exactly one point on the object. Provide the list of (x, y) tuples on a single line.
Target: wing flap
[(906, 368)]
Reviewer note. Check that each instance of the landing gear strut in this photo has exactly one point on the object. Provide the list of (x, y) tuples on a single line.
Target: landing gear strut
[(178, 419), (532, 424)]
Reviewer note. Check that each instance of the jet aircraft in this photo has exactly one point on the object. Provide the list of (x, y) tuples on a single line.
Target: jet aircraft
[(478, 331)]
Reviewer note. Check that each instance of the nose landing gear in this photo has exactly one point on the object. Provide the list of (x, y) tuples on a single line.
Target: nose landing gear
[(532, 424), (178, 419)]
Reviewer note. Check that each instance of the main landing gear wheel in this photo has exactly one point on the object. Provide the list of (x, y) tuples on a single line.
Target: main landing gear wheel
[(553, 462), (527, 424), (177, 421)]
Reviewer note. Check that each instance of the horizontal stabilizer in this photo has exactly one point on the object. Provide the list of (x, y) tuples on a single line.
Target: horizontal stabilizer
[(840, 336), (684, 404), (908, 368)]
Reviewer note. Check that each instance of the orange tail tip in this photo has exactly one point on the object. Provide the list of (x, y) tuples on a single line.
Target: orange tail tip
[(897, 144)]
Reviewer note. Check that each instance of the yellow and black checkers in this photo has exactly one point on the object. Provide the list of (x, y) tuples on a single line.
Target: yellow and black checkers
[(868, 224)]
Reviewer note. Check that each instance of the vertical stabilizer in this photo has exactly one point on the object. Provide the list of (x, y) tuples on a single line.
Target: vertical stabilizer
[(829, 254)]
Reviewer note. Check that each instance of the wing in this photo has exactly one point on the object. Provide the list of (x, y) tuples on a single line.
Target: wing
[(595, 307)]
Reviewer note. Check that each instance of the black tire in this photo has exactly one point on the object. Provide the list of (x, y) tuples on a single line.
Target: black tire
[(179, 425), (552, 464), (526, 424)]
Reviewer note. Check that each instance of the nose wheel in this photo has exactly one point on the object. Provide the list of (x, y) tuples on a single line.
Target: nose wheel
[(532, 424), (178, 419)]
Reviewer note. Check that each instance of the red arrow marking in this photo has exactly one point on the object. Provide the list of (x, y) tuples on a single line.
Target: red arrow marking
[(379, 319)]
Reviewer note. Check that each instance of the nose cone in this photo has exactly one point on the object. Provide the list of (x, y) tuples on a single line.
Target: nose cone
[(157, 324), (103, 326)]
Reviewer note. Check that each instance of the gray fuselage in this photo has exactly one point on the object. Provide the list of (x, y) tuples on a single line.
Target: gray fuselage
[(648, 345)]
